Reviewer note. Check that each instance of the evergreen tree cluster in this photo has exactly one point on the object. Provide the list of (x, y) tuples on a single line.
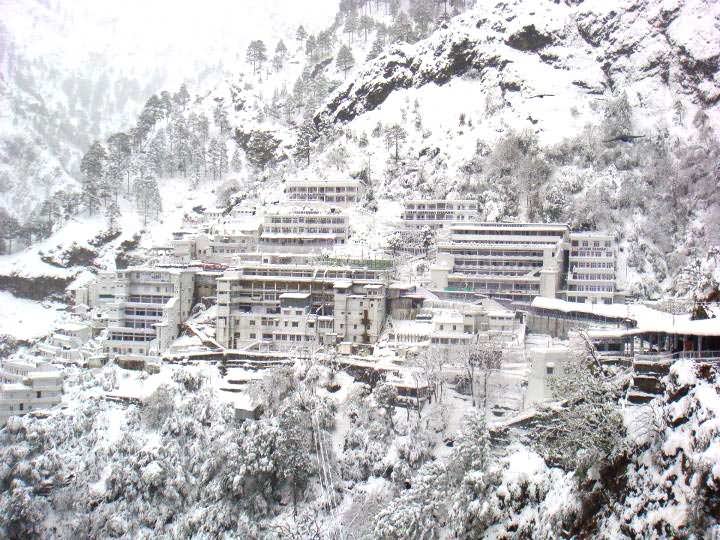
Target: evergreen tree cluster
[(169, 139)]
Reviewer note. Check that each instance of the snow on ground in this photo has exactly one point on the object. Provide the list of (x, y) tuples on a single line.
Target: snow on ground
[(27, 320)]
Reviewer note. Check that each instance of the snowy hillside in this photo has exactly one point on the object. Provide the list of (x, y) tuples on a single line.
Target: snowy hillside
[(71, 73)]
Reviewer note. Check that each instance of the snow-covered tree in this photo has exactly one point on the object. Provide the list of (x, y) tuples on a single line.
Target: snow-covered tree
[(256, 54), (345, 59)]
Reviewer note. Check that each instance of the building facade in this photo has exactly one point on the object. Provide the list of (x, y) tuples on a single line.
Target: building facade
[(26, 386), (151, 303), (513, 261), (304, 230), (438, 213), (256, 300), (592, 269), (333, 192), (521, 261)]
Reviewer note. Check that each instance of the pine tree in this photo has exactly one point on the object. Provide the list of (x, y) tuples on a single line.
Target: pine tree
[(236, 162), (376, 48), (92, 167), (301, 34), (311, 47), (345, 60), (182, 97), (365, 24), (402, 30), (281, 49), (306, 134), (422, 13), (147, 197), (166, 103), (395, 135), (257, 54), (351, 25), (112, 216)]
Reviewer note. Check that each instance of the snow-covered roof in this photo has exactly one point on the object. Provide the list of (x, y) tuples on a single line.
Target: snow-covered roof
[(295, 296), (647, 319)]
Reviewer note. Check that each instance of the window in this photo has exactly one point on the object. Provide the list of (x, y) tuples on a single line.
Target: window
[(22, 407), (39, 394), (295, 324), (549, 370), (252, 323)]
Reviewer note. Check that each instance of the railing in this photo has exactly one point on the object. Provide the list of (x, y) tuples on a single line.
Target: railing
[(711, 356), (696, 355)]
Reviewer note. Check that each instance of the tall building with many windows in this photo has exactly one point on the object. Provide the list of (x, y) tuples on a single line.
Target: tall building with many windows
[(303, 230), (150, 304), (592, 268), (299, 303), (334, 192), (520, 261), (438, 213), (514, 261)]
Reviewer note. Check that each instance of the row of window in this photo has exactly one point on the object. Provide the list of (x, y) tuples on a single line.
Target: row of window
[(492, 286), (309, 219), (593, 264), (123, 336), (508, 232), (592, 288), (143, 312), (594, 243), (592, 253), (593, 277), (497, 263), (306, 230), (321, 189), (148, 299)]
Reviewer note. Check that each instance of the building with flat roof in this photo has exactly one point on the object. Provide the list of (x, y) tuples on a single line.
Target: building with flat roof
[(304, 230), (66, 342), (258, 302), (521, 261), (27, 385), (592, 269), (334, 192), (438, 213), (151, 303), (513, 261)]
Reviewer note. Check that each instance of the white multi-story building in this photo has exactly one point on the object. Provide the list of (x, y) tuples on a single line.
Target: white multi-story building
[(592, 268), (66, 343), (438, 213), (334, 192), (455, 326), (99, 292), (151, 303), (304, 230), (515, 261), (28, 385), (256, 300), (221, 245)]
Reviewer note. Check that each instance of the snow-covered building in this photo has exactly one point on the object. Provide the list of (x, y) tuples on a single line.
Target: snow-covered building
[(438, 213), (592, 268), (456, 326), (151, 303), (334, 192), (304, 230), (259, 301), (66, 343), (514, 261), (28, 385), (521, 261), (221, 245), (98, 293)]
